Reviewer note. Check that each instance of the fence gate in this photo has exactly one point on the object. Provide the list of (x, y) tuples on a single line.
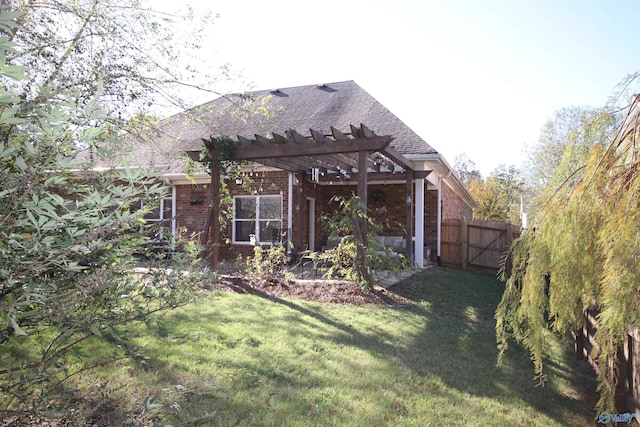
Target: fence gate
[(477, 245)]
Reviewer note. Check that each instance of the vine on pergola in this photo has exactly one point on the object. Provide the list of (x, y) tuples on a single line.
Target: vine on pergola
[(222, 164), (224, 146)]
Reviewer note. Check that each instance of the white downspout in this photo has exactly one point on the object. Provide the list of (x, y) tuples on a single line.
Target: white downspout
[(289, 214), (440, 212), (439, 227), (419, 224), (174, 221)]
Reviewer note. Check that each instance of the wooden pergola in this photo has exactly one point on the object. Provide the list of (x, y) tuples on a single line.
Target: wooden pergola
[(359, 150)]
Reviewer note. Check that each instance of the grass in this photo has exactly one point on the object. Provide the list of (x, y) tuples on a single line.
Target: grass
[(245, 360)]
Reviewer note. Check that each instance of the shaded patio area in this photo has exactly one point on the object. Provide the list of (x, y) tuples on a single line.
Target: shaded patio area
[(356, 157)]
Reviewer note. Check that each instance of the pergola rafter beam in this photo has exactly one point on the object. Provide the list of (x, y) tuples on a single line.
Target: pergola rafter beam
[(332, 162), (279, 139), (399, 159), (354, 159), (347, 160), (374, 176), (318, 136), (337, 135), (291, 165), (258, 151), (297, 138), (338, 151)]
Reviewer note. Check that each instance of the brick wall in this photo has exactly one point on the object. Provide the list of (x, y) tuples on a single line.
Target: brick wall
[(431, 222), (452, 205), (313, 191), (385, 203), (394, 216), (192, 204)]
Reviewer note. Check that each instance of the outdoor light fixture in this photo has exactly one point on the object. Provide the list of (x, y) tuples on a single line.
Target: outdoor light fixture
[(238, 181), (197, 195), (391, 166), (408, 200), (378, 160)]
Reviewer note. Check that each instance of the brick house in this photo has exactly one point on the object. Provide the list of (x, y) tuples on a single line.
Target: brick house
[(408, 178)]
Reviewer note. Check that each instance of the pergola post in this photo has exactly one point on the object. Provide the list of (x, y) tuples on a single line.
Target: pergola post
[(362, 178), (419, 222), (212, 227), (299, 209), (361, 224)]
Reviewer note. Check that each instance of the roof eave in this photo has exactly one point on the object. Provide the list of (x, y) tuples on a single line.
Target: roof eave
[(439, 165)]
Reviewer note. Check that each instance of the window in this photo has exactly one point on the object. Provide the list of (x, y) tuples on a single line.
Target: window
[(260, 216), (161, 213)]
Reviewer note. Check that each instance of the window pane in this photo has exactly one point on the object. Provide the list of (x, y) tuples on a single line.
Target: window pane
[(244, 229), (270, 207), (166, 210), (245, 207), (270, 231), (154, 210)]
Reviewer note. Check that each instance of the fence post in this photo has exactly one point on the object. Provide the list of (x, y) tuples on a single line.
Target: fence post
[(634, 383), (579, 340), (509, 234), (508, 265), (464, 243)]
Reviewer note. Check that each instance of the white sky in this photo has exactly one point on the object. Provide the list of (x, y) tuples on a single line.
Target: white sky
[(469, 76)]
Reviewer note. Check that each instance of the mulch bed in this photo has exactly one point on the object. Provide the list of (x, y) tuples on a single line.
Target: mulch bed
[(327, 291)]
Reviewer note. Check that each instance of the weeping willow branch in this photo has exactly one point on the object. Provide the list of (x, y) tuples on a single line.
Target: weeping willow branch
[(583, 254)]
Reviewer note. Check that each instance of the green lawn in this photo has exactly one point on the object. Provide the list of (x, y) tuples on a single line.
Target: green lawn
[(244, 360)]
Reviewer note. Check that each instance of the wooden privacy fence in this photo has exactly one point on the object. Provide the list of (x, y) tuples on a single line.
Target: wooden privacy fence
[(476, 245), (627, 363)]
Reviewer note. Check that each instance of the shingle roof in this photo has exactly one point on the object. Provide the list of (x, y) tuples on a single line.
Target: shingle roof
[(339, 104)]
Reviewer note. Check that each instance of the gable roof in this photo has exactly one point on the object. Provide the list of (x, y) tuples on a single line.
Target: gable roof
[(301, 108), (320, 107)]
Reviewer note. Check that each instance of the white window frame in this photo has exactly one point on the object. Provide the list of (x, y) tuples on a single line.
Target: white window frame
[(164, 218), (266, 240)]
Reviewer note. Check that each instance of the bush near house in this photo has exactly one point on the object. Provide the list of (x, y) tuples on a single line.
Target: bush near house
[(67, 240)]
